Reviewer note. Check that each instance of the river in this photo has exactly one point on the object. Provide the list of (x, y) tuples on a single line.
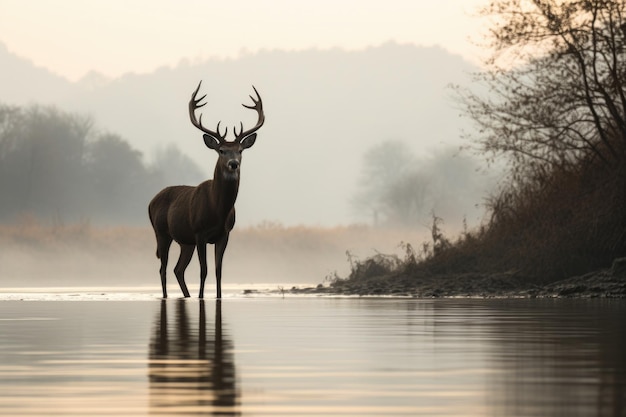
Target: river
[(133, 354)]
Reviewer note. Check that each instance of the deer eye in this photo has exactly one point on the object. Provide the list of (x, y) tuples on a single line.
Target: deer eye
[(222, 151)]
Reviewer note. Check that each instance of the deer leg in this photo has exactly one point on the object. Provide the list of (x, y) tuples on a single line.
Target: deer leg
[(163, 250), (203, 268), (186, 253), (220, 248)]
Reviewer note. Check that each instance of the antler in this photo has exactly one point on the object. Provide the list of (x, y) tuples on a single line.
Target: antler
[(194, 104), (258, 106)]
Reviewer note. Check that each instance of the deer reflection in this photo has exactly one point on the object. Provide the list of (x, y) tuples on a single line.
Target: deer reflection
[(191, 370)]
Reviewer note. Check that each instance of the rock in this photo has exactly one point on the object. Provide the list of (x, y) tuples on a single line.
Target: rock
[(568, 291), (619, 267)]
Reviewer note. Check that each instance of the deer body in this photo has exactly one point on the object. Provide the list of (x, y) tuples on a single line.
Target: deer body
[(197, 216)]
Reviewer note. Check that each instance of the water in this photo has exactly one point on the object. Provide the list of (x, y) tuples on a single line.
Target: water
[(310, 356)]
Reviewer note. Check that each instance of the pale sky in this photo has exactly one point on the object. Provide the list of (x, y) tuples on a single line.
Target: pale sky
[(113, 37)]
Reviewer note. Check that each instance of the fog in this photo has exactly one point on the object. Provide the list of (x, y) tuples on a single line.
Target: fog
[(327, 113), (39, 255), (324, 110)]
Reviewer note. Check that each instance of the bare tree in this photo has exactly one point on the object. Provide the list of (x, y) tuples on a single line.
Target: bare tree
[(555, 84), (554, 105), (402, 190), (384, 166)]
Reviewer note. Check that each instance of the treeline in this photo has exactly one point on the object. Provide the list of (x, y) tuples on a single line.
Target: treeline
[(57, 166), (558, 118), (398, 189)]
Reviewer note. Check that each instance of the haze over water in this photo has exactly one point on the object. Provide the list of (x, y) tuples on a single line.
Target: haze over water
[(270, 356)]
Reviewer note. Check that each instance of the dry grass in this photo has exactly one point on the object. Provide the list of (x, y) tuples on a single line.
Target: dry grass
[(552, 225), (38, 253), (28, 232), (568, 223)]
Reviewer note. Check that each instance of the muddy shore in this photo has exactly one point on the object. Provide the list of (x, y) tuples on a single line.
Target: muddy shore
[(604, 283)]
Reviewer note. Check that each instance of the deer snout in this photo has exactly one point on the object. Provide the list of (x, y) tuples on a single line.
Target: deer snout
[(233, 165)]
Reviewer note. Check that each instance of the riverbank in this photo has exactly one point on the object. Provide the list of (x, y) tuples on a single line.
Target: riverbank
[(604, 283)]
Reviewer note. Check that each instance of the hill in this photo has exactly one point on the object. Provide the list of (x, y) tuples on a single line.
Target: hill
[(324, 109)]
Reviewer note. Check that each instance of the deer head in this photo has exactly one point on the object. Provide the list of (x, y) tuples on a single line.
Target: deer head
[(229, 160)]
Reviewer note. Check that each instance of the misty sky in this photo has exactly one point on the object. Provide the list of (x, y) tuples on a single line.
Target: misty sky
[(113, 37), (303, 56)]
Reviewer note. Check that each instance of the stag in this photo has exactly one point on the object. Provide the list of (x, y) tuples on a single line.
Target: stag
[(197, 216)]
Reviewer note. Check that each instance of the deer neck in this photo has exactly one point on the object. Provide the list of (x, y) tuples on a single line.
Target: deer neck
[(225, 189)]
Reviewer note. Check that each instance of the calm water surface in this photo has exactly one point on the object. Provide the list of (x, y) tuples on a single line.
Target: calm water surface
[(269, 356)]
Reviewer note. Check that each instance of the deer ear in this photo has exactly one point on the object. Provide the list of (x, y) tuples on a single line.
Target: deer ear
[(211, 142), (248, 141)]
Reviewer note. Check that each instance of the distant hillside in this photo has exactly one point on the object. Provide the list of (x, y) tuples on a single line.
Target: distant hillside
[(324, 109), (24, 83)]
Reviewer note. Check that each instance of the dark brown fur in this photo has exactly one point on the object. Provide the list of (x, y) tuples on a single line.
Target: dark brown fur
[(197, 216)]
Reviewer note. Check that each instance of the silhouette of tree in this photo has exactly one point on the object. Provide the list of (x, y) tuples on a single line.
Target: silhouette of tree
[(384, 165), (555, 84), (555, 110), (398, 189), (41, 159), (53, 166), (118, 178), (174, 167)]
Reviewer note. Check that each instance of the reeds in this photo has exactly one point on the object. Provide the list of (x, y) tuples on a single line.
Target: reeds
[(97, 255)]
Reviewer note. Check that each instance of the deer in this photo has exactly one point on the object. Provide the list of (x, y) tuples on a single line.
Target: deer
[(194, 359), (205, 214)]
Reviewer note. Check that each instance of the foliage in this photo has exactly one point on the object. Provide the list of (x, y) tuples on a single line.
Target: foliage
[(555, 85), (556, 110), (53, 165), (381, 264), (398, 189), (385, 166), (176, 167), (559, 116)]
